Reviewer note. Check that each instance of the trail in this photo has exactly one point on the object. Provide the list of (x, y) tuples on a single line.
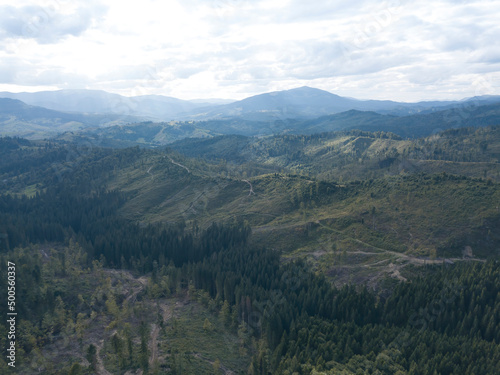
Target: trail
[(173, 162), (394, 269), (180, 165), (153, 347), (166, 313), (402, 259), (251, 187), (395, 253), (100, 365)]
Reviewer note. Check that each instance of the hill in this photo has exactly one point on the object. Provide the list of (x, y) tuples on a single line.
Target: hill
[(413, 126), (351, 155), (20, 119), (149, 260)]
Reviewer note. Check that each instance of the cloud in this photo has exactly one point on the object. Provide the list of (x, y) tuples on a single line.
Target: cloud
[(47, 24), (236, 48)]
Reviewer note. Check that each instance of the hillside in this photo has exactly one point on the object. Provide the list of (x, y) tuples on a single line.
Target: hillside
[(150, 134), (351, 155), (298, 191), (309, 254), (110, 120), (20, 119)]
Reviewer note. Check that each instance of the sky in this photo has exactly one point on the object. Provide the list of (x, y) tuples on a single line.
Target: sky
[(396, 50)]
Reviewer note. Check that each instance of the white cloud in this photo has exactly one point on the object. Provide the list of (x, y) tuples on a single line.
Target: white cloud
[(47, 23), (236, 48)]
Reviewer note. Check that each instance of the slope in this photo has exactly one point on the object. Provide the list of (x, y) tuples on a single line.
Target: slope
[(351, 155), (20, 119), (414, 126)]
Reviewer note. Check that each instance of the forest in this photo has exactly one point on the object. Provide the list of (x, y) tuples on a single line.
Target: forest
[(106, 280)]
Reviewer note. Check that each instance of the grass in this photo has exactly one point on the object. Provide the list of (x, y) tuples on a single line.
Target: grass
[(31, 190), (411, 214)]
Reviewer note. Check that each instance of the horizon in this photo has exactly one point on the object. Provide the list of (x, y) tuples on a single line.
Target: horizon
[(236, 100), (400, 51)]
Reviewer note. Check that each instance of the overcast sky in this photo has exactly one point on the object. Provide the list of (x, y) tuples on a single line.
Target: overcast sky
[(399, 50)]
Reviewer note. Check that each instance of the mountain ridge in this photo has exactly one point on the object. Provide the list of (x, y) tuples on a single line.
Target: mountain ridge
[(150, 134), (302, 102), (21, 119)]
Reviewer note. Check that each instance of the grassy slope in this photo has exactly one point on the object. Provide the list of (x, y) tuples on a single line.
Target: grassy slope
[(360, 155), (417, 216), (337, 226), (372, 228)]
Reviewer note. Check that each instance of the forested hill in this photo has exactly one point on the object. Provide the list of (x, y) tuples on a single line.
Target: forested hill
[(359, 154), (255, 260), (155, 134), (413, 126)]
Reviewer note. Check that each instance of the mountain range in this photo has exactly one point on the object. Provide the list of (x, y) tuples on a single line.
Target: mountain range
[(302, 110), (303, 103), (307, 103), (99, 102), (20, 119)]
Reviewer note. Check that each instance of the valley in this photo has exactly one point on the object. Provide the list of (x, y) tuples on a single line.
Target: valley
[(306, 246)]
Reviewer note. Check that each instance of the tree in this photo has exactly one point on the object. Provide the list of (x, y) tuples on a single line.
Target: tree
[(225, 313), (76, 369), (92, 356), (207, 325), (144, 353)]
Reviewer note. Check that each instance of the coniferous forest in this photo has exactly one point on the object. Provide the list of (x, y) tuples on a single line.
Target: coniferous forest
[(162, 261)]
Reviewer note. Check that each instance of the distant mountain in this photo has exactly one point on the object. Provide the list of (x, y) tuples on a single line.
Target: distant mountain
[(303, 110), (304, 102), (152, 134), (155, 107), (412, 126), (147, 134), (301, 103), (308, 103), (20, 119), (212, 101)]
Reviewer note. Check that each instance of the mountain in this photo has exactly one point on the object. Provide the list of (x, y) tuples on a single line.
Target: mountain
[(304, 102), (307, 103), (355, 154), (20, 119), (301, 103), (156, 107), (303, 110), (212, 101)]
